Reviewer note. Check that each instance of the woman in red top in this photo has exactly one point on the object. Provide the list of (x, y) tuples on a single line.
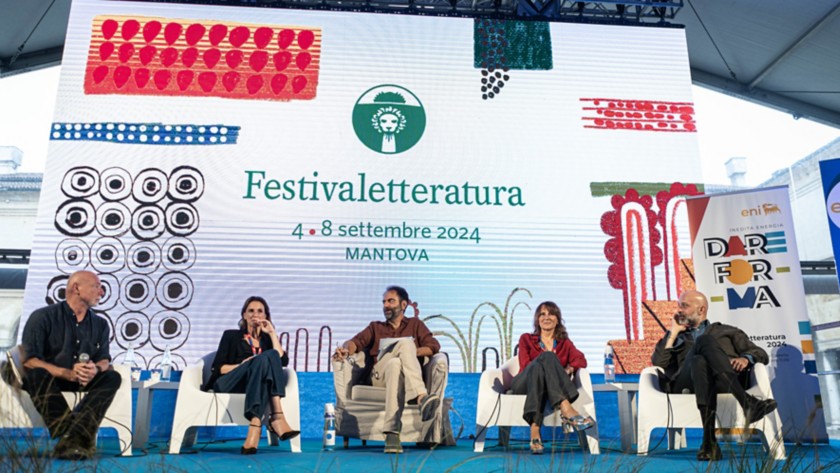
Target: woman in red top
[(547, 362)]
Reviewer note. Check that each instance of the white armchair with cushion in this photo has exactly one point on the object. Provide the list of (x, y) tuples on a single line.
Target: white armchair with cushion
[(360, 408), (675, 412), (498, 408), (195, 408), (18, 411)]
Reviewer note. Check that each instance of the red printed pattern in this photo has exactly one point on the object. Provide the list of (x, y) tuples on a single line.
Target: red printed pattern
[(632, 356), (159, 56), (641, 115)]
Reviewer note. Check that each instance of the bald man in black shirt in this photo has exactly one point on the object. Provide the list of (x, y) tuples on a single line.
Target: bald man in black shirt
[(53, 340)]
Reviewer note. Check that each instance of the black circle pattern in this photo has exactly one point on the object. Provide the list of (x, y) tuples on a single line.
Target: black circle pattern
[(115, 184), (57, 289), (75, 217), (181, 219), (111, 293), (138, 291), (148, 222), (71, 255), (113, 219), (143, 257), (178, 254), (132, 328), (186, 184), (139, 277), (79, 182), (107, 255), (150, 186), (174, 290), (169, 327)]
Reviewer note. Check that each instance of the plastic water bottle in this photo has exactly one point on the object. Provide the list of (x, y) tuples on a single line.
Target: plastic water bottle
[(609, 364), (130, 361), (166, 365), (329, 427)]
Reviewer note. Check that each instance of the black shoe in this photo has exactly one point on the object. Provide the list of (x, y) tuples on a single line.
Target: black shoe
[(68, 450), (429, 406), (285, 435), (709, 453), (537, 447), (289, 435), (248, 450), (758, 409), (392, 443)]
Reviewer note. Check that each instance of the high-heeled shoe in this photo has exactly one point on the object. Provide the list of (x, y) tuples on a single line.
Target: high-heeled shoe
[(578, 422), (250, 450), (537, 447), (285, 435)]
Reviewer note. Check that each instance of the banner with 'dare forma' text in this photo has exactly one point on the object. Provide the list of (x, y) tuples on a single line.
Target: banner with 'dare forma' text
[(747, 264)]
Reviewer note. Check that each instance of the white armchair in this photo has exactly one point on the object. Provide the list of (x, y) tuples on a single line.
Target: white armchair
[(675, 412), (497, 408), (195, 408), (360, 408), (18, 411)]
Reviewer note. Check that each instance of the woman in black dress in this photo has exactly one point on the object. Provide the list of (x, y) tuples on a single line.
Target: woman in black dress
[(250, 360)]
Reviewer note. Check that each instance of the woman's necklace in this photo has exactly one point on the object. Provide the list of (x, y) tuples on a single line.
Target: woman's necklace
[(544, 345), (255, 349)]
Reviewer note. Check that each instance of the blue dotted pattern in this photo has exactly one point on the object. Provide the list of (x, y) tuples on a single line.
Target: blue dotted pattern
[(145, 133)]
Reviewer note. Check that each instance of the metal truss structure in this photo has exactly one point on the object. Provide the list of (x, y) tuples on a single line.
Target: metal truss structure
[(604, 11)]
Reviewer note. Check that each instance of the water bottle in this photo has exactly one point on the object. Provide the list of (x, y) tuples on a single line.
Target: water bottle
[(130, 361), (609, 364), (329, 427), (166, 365)]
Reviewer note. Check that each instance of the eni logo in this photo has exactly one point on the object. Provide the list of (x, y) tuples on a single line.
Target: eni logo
[(833, 205), (763, 209)]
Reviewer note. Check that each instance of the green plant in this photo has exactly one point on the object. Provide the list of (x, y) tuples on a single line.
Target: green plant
[(468, 345)]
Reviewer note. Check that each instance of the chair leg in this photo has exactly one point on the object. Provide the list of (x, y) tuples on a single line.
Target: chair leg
[(176, 439), (295, 444), (676, 439), (589, 441), (481, 433), (504, 436), (124, 439), (273, 440), (346, 442), (774, 442), (642, 442)]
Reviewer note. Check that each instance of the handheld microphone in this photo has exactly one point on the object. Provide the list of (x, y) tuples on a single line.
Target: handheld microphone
[(84, 358)]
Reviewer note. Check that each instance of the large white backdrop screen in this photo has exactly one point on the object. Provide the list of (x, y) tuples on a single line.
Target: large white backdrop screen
[(535, 138)]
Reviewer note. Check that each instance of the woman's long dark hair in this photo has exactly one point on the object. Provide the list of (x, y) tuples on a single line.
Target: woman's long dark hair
[(242, 324), (552, 308)]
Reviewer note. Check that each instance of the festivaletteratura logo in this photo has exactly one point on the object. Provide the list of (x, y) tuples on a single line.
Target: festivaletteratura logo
[(389, 119)]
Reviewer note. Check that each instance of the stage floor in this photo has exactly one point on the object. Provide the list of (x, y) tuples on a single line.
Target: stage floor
[(559, 456)]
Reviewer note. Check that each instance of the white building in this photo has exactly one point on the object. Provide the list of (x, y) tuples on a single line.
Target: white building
[(18, 208), (814, 242)]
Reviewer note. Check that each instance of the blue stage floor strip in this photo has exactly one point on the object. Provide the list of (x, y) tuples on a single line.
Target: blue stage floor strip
[(225, 457), (218, 448)]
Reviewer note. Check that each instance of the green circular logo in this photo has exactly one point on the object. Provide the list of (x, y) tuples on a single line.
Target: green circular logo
[(389, 119)]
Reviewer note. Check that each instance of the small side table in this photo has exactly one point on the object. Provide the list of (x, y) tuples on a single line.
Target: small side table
[(142, 420), (626, 394)]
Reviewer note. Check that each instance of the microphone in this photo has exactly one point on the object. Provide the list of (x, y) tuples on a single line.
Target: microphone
[(83, 358)]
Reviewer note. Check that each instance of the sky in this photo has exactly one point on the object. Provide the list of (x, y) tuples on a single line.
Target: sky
[(727, 127)]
